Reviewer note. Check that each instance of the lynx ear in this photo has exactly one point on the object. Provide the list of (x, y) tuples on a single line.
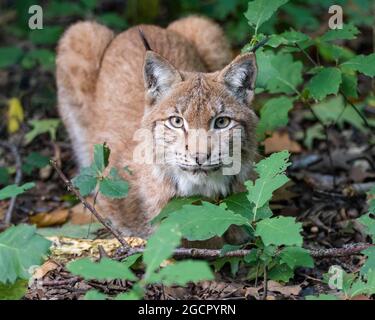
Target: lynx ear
[(159, 76), (239, 77)]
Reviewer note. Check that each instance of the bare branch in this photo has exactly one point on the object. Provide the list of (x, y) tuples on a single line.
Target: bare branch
[(346, 250), (17, 180), (117, 234)]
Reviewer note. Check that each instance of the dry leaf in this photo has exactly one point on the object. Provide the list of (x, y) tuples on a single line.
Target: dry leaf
[(15, 115), (360, 297), (252, 292), (45, 219), (281, 141), (284, 290), (46, 267)]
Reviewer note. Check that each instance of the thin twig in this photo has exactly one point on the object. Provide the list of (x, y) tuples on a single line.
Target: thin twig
[(103, 221), (17, 180), (346, 250), (265, 283)]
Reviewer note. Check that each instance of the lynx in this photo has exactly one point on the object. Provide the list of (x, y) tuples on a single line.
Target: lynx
[(110, 87)]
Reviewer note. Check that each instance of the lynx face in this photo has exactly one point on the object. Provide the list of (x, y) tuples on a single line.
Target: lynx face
[(203, 128)]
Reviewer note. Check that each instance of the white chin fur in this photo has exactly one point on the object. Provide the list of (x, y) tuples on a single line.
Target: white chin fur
[(211, 185)]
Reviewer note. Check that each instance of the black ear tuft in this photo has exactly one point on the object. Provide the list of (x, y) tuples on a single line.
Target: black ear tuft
[(159, 76), (239, 77)]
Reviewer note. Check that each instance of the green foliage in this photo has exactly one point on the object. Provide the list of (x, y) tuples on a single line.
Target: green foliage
[(9, 56), (272, 176), (111, 185), (205, 221), (20, 248), (42, 126), (334, 110), (182, 272), (280, 231), (13, 291), (273, 115), (296, 257), (173, 205), (34, 161), (259, 11), (42, 57), (361, 63), (94, 295), (105, 269), (160, 246), (348, 32), (14, 190), (326, 81)]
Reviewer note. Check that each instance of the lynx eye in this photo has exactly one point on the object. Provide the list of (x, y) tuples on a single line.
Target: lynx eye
[(176, 122), (222, 122)]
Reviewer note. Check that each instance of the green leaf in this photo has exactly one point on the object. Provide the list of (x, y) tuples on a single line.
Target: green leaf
[(34, 161), (131, 295), (105, 269), (314, 132), (234, 263), (49, 35), (95, 295), (20, 248), (43, 57), (14, 190), (160, 246), (228, 248), (370, 261), (42, 126), (348, 32), (4, 176), (9, 56), (86, 181), (369, 223), (273, 115), (288, 38), (259, 11), (361, 63), (281, 272), (14, 291), (205, 221), (131, 260), (78, 231), (57, 8), (113, 20), (113, 186), (172, 206), (296, 257), (279, 231), (182, 272), (271, 177), (333, 52), (90, 4), (322, 297), (332, 111), (286, 74), (239, 204), (101, 156), (349, 85), (326, 81)]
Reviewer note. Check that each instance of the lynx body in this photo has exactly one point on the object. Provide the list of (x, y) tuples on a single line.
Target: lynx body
[(110, 87)]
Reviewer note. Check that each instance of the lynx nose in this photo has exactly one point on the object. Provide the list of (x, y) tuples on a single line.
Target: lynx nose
[(201, 158)]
